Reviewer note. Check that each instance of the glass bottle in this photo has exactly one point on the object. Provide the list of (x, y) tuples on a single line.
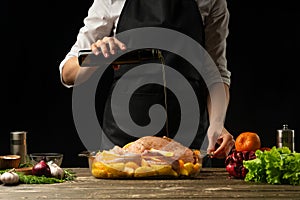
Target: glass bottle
[(285, 138)]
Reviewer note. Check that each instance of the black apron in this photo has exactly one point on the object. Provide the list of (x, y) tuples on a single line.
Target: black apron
[(173, 14)]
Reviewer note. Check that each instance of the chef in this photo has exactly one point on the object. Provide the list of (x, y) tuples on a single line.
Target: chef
[(205, 21)]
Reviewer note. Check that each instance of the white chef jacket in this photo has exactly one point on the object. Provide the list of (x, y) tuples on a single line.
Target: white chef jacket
[(103, 18)]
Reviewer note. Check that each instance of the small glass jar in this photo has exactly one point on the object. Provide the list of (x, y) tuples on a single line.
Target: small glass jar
[(285, 138), (18, 145)]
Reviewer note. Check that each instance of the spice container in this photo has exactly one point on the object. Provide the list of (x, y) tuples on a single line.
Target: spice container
[(18, 145), (285, 138)]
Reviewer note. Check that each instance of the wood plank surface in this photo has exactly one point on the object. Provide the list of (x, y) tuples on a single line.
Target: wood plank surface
[(213, 183)]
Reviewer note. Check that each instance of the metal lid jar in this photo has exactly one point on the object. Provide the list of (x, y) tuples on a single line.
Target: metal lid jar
[(285, 138)]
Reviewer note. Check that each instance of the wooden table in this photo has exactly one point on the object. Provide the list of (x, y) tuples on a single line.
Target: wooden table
[(213, 183)]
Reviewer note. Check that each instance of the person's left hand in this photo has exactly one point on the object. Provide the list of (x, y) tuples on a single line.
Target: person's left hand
[(225, 141)]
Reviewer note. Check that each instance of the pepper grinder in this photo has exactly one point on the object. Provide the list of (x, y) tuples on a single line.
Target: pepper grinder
[(18, 145), (285, 138)]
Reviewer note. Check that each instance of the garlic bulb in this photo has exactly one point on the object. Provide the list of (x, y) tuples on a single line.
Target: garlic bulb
[(56, 171), (10, 177)]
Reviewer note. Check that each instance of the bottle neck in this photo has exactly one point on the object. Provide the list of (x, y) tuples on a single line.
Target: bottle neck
[(285, 127)]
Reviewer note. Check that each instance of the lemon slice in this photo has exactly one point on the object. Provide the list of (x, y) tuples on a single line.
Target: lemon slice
[(164, 153), (144, 172), (127, 145), (189, 167), (164, 170)]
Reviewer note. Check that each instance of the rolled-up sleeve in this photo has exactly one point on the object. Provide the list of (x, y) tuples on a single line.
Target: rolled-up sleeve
[(216, 32), (98, 23)]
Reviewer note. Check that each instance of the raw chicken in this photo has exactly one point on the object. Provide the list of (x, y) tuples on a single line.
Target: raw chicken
[(143, 144)]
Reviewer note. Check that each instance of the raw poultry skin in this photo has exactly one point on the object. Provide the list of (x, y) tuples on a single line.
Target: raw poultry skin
[(143, 144), (149, 156)]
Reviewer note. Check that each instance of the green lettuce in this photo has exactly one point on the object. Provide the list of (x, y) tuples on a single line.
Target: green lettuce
[(277, 166)]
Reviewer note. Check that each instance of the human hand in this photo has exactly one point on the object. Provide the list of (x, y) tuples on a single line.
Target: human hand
[(222, 137), (107, 46)]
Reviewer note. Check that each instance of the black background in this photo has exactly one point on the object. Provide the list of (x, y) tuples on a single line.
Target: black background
[(263, 56)]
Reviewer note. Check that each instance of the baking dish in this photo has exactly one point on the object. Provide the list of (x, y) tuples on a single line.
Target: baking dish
[(107, 164)]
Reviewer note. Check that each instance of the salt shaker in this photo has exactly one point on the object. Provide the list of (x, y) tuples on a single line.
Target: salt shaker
[(285, 138), (18, 144)]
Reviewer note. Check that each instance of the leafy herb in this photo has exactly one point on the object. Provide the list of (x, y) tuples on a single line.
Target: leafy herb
[(31, 179), (69, 175), (4, 170), (277, 166), (23, 165)]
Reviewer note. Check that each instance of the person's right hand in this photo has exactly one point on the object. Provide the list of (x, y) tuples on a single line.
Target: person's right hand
[(107, 46), (224, 139)]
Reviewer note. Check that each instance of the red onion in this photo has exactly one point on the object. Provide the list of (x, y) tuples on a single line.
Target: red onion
[(234, 163), (41, 168)]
